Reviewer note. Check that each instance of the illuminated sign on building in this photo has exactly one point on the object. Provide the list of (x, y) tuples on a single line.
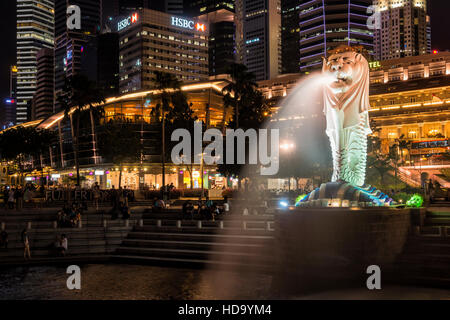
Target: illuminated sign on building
[(10, 101), (374, 64), (187, 24), (128, 21)]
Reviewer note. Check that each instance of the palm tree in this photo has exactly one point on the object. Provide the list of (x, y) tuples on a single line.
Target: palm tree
[(79, 94), (402, 144), (242, 83), (167, 84)]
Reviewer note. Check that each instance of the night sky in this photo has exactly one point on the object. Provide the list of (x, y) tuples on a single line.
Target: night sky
[(438, 10)]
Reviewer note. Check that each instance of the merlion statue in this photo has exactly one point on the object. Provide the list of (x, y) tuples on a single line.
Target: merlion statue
[(346, 107)]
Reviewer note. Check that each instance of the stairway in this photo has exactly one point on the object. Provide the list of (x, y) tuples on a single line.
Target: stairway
[(426, 257), (231, 243)]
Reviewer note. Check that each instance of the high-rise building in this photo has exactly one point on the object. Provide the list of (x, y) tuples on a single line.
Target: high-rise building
[(43, 99), (7, 113), (327, 24), (35, 30), (290, 36), (155, 41), (222, 31), (260, 48), (124, 7), (404, 29), (108, 63), (70, 44), (13, 82)]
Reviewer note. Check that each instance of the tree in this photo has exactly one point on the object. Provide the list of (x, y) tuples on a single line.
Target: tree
[(250, 111), (20, 144), (79, 94), (120, 143), (243, 84), (168, 86)]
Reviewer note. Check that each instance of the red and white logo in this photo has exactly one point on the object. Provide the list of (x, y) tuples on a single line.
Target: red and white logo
[(134, 18), (200, 27)]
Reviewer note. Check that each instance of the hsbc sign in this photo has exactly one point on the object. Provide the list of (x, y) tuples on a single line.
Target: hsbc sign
[(187, 24), (127, 22)]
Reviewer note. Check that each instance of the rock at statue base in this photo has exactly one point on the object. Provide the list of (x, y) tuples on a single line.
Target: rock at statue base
[(343, 194)]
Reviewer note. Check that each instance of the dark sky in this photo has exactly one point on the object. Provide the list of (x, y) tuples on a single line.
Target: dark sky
[(439, 10)]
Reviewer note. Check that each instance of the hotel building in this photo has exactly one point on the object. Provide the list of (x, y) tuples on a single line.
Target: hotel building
[(155, 41), (409, 98), (404, 29)]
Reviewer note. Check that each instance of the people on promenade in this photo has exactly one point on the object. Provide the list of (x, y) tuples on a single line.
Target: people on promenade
[(11, 199), (26, 245)]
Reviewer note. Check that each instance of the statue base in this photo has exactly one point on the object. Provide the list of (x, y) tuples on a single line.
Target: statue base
[(343, 194), (331, 248)]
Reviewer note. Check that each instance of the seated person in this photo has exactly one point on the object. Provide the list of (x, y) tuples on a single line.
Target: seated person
[(62, 246)]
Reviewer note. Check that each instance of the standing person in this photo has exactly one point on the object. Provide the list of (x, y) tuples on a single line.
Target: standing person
[(96, 194), (26, 245), (226, 205), (18, 195), (11, 198)]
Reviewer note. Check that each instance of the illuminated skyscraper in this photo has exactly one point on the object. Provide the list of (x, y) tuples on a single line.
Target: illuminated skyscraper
[(71, 45), (43, 99), (327, 24), (405, 29), (261, 43), (220, 17), (35, 30), (290, 36)]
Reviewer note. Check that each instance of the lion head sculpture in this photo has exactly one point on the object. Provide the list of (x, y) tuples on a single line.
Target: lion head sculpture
[(349, 84)]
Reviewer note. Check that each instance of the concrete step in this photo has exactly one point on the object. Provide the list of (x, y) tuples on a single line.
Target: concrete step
[(206, 230), (440, 221), (201, 237), (232, 256), (193, 263), (194, 245)]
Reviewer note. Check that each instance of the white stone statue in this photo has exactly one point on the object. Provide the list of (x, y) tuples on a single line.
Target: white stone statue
[(346, 107)]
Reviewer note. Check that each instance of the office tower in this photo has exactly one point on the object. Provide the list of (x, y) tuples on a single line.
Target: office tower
[(108, 63), (290, 36), (70, 44), (43, 99), (155, 41), (327, 24), (7, 113), (222, 32), (403, 31), (260, 48), (35, 30)]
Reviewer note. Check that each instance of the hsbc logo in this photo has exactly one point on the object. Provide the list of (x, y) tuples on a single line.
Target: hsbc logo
[(200, 26), (187, 24), (128, 21)]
